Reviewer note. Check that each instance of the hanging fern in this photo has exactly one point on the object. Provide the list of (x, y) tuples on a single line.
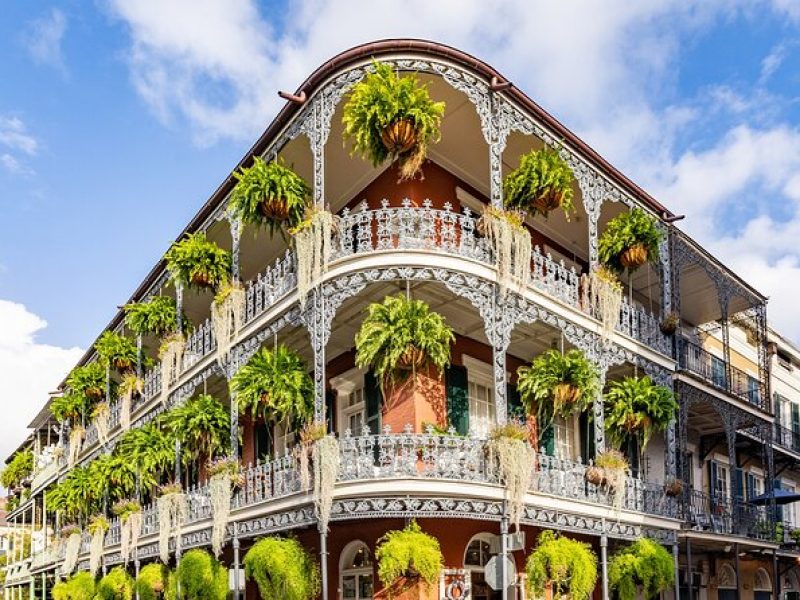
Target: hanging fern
[(399, 336), (644, 565), (158, 316), (20, 467), (383, 100), (567, 566), (541, 183), (116, 350), (275, 384), (196, 261), (116, 585), (637, 406), (408, 553), (201, 424), (283, 569), (199, 576), (89, 380), (269, 194), (629, 230)]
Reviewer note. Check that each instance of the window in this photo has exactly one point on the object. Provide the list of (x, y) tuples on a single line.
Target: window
[(351, 407), (720, 484), (753, 390), (718, 372), (356, 574), (284, 438), (476, 556), (481, 397), (726, 581), (565, 433), (762, 585)]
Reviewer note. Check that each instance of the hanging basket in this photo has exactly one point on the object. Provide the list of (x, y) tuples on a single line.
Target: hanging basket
[(566, 393), (275, 209), (550, 200), (201, 279), (412, 358), (634, 257), (595, 475), (399, 137), (669, 325), (123, 364), (94, 392), (636, 422), (673, 488)]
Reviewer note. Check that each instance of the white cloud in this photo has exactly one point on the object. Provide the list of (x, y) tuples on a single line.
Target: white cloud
[(43, 39), (28, 370), (14, 135)]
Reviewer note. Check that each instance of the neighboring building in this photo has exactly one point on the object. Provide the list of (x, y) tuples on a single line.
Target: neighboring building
[(421, 236)]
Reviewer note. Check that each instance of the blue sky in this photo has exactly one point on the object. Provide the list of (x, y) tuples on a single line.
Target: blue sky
[(118, 118)]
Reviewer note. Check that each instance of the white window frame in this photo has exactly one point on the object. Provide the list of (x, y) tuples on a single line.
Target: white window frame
[(346, 384), (283, 438), (568, 427), (480, 373), (347, 551)]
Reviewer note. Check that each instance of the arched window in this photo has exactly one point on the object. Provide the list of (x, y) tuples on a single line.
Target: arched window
[(762, 585), (726, 583), (355, 572), (478, 552)]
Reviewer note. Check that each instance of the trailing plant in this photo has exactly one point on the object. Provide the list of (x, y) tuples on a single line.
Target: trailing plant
[(227, 315), (389, 117), (282, 569), (115, 476), (100, 416), (151, 582), (201, 425), (158, 316), (644, 566), (275, 385), (72, 547), (98, 525), (195, 261), (557, 385), (130, 386), (148, 451), (116, 350), (78, 587), (605, 292), (637, 406), (313, 242), (541, 183), (400, 336), (116, 585), (409, 554), (269, 194), (326, 459), (130, 516), (170, 354), (610, 470), (508, 446), (511, 244), (310, 434), (565, 566), (78, 495), (223, 473), (199, 576), (76, 436), (630, 240), (89, 380), (173, 510), (19, 469)]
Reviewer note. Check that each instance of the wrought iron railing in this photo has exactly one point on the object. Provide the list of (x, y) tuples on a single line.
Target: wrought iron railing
[(718, 373), (720, 514), (787, 438)]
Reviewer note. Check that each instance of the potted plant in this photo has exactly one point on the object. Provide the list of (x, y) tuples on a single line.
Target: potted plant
[(89, 380), (282, 568), (199, 576), (148, 452), (275, 385), (130, 516), (610, 470), (669, 324), (409, 562), (201, 425), (195, 261), (673, 487), (637, 406), (564, 567), (223, 475), (630, 240), (152, 581), (78, 587), (642, 570), (400, 336), (392, 117), (20, 467), (227, 315), (557, 385), (541, 183), (312, 238), (510, 242), (98, 525), (158, 316), (605, 294), (116, 585), (173, 510), (269, 194), (116, 350), (508, 447)]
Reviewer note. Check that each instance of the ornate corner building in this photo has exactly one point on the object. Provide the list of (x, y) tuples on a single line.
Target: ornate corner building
[(735, 443)]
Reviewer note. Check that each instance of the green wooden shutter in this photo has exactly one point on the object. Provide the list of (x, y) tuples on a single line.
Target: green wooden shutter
[(330, 409), (372, 398), (712, 477), (795, 418), (547, 441), (587, 437), (514, 408), (739, 481), (457, 390), (778, 484)]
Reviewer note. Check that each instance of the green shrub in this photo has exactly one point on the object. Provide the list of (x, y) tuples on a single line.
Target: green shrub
[(276, 385), (78, 587), (152, 581), (624, 231), (569, 566), (637, 406), (199, 576), (381, 99), (263, 184), (408, 552), (541, 178), (198, 262), (116, 585), (397, 328), (644, 564), (283, 569)]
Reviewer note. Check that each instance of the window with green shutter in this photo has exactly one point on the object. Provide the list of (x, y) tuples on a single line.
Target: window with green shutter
[(372, 399), (547, 441), (457, 391), (514, 408)]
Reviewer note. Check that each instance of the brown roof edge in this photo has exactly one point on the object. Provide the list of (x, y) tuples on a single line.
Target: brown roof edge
[(378, 48)]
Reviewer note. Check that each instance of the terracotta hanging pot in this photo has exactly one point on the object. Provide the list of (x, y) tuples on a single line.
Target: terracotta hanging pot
[(550, 200), (276, 209), (673, 488), (566, 393), (634, 257), (93, 392), (201, 279), (412, 358), (123, 364), (595, 475), (399, 137)]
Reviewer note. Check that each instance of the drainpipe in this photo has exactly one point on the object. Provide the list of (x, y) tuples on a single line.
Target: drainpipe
[(675, 553), (604, 559), (323, 558)]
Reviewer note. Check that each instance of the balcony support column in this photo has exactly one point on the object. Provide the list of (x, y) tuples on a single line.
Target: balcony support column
[(234, 425), (675, 554), (323, 562), (236, 238), (599, 412), (179, 309), (318, 323), (689, 585), (604, 560)]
